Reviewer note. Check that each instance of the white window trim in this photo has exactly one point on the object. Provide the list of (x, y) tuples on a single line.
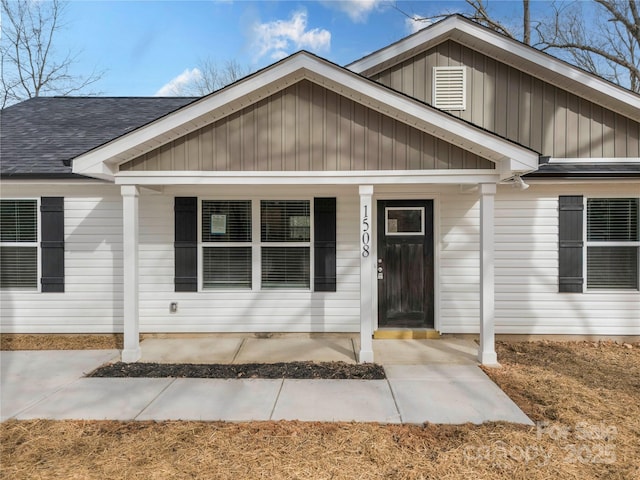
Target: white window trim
[(36, 244), (587, 244), (256, 245)]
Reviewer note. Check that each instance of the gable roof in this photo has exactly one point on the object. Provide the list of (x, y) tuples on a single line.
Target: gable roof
[(103, 162), (509, 51), (40, 135)]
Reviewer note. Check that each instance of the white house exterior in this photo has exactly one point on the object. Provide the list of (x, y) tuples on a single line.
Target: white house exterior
[(309, 197)]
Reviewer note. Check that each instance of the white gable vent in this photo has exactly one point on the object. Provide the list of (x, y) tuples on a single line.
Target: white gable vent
[(449, 88)]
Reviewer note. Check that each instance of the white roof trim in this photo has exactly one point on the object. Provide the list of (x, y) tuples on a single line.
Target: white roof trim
[(103, 161), (596, 161), (550, 69), (377, 177)]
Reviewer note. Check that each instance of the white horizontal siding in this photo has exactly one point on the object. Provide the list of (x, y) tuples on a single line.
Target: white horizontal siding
[(459, 268), (526, 268), (526, 261), (244, 311), (92, 301)]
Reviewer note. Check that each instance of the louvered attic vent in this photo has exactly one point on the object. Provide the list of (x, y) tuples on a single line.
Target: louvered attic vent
[(449, 88)]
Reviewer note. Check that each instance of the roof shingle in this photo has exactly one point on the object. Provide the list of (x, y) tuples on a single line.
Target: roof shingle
[(38, 135)]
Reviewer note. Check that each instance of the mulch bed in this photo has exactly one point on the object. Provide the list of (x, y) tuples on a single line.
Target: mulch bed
[(297, 370)]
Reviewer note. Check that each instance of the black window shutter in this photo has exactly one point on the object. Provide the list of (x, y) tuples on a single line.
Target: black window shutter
[(186, 244), (324, 228), (52, 243), (571, 243)]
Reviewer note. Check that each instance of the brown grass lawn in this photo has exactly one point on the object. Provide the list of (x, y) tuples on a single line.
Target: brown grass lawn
[(585, 397)]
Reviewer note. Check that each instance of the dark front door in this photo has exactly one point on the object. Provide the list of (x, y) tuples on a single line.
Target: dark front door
[(405, 263)]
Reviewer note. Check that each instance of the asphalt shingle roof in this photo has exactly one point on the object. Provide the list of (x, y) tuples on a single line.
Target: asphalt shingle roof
[(38, 135)]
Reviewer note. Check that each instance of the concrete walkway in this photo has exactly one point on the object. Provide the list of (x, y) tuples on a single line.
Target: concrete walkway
[(448, 388)]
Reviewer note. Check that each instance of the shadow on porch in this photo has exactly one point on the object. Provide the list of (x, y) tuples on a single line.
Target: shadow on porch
[(273, 348)]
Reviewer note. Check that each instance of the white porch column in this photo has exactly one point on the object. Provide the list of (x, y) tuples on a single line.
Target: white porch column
[(366, 282), (486, 351), (131, 351)]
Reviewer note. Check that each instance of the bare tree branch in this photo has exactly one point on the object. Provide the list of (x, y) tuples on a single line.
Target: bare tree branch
[(606, 45), (479, 14), (29, 64)]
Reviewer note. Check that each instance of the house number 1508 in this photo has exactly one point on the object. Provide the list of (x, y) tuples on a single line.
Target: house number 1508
[(366, 237)]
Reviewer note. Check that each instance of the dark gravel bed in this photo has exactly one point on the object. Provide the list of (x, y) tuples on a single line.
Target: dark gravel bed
[(299, 370)]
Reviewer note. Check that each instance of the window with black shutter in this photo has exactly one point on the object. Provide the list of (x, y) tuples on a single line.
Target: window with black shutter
[(19, 244)]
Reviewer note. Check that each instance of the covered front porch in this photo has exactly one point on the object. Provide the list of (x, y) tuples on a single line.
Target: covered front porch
[(355, 304), (334, 146)]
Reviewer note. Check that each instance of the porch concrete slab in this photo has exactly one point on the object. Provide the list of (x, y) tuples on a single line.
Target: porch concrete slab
[(26, 377), (189, 350), (296, 349), (416, 352), (450, 394), (215, 399), (98, 399), (336, 401)]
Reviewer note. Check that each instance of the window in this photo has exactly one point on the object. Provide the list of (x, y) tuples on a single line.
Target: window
[(226, 240), (613, 242), (230, 244), (404, 221), (449, 88), (19, 244), (285, 243)]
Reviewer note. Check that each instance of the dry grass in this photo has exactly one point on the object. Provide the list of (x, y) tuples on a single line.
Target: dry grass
[(587, 395), (10, 341)]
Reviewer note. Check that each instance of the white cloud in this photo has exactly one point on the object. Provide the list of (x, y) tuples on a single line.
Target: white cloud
[(279, 37), (416, 23), (180, 84), (357, 10)]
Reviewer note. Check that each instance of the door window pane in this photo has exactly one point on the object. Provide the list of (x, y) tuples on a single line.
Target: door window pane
[(404, 221)]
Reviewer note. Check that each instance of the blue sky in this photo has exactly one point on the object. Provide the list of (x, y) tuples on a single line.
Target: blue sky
[(152, 47)]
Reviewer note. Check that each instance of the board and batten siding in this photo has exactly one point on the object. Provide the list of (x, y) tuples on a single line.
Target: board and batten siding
[(245, 311), (520, 107), (92, 300), (306, 127), (526, 268)]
